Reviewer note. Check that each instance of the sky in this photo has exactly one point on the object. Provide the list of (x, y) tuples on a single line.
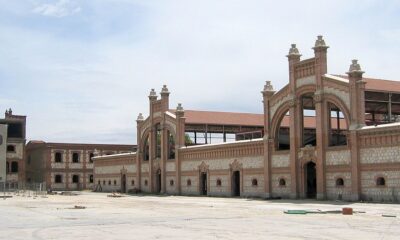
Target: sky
[(81, 71)]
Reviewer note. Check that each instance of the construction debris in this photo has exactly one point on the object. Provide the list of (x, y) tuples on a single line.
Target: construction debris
[(79, 207), (114, 195)]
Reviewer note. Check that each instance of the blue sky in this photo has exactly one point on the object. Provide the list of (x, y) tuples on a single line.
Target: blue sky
[(81, 70)]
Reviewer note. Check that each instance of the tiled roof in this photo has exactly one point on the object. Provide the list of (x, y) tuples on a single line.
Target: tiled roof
[(374, 84), (244, 119)]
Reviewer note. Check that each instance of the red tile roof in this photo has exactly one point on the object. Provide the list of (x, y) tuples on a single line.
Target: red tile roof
[(374, 84), (244, 119)]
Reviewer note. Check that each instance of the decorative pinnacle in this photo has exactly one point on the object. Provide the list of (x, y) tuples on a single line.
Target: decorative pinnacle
[(268, 87), (152, 93), (293, 51), (164, 89), (355, 67), (140, 117), (179, 108), (320, 42)]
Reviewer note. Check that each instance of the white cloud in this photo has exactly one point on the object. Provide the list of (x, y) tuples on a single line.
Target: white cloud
[(62, 8)]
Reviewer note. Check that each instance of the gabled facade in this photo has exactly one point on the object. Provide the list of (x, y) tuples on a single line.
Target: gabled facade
[(315, 142)]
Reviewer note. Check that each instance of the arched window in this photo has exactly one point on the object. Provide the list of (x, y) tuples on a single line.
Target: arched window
[(171, 182), (171, 146), (339, 182), (14, 167), (115, 182), (75, 157), (146, 149), (58, 157), (283, 133), (104, 182), (91, 178), (10, 148), (380, 181), (189, 182), (254, 182), (337, 126), (309, 125), (133, 182), (158, 140), (109, 182), (282, 182), (219, 183), (145, 182), (98, 182)]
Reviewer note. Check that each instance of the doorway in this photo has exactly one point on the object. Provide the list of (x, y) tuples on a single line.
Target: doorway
[(203, 183), (123, 183), (236, 183), (158, 181), (311, 180)]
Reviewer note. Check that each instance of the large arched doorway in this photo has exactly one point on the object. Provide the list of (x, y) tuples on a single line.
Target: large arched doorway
[(311, 180)]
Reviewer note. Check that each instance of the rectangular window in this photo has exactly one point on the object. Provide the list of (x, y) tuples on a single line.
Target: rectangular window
[(58, 157), (75, 157), (58, 179)]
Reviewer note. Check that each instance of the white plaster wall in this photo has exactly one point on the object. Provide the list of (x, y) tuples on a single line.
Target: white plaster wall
[(280, 160), (110, 187), (278, 191), (380, 155), (341, 157), (223, 164), (131, 168)]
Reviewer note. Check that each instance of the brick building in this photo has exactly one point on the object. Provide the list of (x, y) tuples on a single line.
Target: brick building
[(66, 166), (13, 147), (323, 136)]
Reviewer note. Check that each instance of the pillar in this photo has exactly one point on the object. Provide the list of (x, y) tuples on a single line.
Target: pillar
[(179, 143), (294, 58), (322, 115), (267, 93), (357, 121)]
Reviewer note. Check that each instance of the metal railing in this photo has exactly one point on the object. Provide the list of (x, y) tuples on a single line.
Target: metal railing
[(22, 189)]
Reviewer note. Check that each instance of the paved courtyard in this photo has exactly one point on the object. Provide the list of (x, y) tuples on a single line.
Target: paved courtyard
[(177, 217)]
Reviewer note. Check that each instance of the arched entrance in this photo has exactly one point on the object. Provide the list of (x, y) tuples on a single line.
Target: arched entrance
[(236, 183), (158, 181), (123, 183), (203, 183), (310, 180)]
